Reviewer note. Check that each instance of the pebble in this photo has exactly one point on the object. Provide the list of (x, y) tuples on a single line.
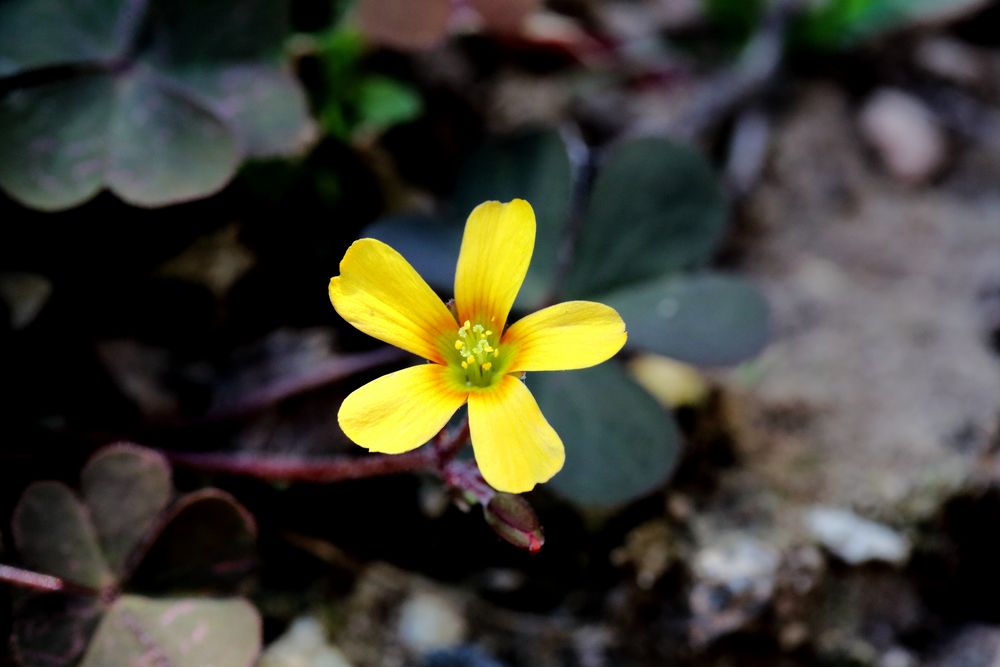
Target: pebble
[(854, 539), (905, 134)]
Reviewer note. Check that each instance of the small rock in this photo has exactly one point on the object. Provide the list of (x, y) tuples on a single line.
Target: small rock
[(905, 134), (854, 539), (428, 622), (898, 657), (950, 59), (303, 645), (735, 579)]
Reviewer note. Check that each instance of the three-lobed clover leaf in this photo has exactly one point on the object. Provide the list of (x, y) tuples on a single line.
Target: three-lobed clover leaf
[(157, 100), (654, 218), (121, 532)]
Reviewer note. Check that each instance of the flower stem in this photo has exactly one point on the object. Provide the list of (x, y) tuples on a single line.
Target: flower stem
[(40, 582), (294, 469)]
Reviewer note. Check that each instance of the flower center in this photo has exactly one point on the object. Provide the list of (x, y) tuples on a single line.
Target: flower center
[(478, 353)]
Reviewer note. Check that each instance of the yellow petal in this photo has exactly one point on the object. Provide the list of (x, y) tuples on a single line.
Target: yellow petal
[(400, 411), (515, 447), (575, 334), (496, 251), (381, 294)]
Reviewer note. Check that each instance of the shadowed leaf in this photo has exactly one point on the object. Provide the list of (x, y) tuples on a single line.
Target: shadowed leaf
[(223, 31), (54, 141), (620, 444), (656, 208), (703, 319), (54, 534), (207, 540), (52, 629), (532, 166), (262, 101), (41, 33), (164, 147), (138, 631), (146, 140), (126, 487)]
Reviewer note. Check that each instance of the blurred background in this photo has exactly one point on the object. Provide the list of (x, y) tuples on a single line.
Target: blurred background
[(794, 204)]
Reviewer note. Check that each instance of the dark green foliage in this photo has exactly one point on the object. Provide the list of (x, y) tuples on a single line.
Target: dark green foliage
[(352, 102), (96, 544), (157, 101), (619, 442), (656, 211), (702, 318)]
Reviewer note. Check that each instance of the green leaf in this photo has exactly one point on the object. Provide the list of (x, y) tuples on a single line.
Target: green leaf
[(384, 102), (208, 541), (704, 319), (178, 632), (54, 534), (263, 103), (840, 23), (126, 488), (163, 146), (53, 629), (42, 33), (656, 208), (54, 146), (147, 141), (620, 444)]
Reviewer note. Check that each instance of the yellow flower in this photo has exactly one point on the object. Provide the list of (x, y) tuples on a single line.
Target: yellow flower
[(474, 358)]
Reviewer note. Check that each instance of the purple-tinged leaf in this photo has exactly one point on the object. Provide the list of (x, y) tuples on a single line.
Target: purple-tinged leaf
[(206, 539), (53, 630), (126, 488), (55, 535)]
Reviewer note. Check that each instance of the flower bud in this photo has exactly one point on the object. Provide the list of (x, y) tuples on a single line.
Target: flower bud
[(512, 518)]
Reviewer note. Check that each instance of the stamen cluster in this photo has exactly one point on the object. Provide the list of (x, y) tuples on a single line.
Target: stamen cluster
[(478, 348)]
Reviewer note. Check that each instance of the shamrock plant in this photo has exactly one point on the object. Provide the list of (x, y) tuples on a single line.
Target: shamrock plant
[(158, 101), (654, 217), (475, 358), (109, 563)]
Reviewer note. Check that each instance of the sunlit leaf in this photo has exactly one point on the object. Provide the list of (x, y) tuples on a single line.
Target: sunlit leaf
[(187, 632)]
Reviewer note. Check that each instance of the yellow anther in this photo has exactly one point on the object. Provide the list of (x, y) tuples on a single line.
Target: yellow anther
[(459, 345), (465, 365), (487, 348), (496, 352), (488, 333), (467, 325), (487, 366), (470, 359), (478, 328)]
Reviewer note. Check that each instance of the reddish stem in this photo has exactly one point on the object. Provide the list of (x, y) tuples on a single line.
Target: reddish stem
[(41, 582), (294, 469)]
